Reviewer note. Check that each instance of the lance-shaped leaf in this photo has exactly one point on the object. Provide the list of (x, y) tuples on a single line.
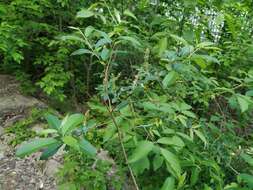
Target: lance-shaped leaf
[(247, 159), (50, 151), (87, 147), (81, 52), (141, 151), (169, 184), (169, 79), (130, 14), (71, 141), (53, 121), (71, 122), (172, 162), (84, 14), (130, 40), (35, 145)]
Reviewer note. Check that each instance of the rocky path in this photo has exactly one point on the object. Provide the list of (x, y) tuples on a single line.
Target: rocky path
[(15, 173)]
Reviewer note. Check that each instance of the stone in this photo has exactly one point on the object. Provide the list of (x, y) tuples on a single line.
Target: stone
[(52, 167), (37, 128), (3, 148), (17, 103), (16, 173), (1, 130)]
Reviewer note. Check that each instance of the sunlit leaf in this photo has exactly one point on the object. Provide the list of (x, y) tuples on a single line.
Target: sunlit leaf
[(157, 162), (27, 148), (247, 158), (102, 42), (174, 141), (130, 39), (201, 136), (130, 14), (105, 54), (50, 151), (87, 147), (169, 184), (142, 150), (53, 121), (162, 46), (179, 39), (84, 14), (71, 141), (243, 102), (71, 122), (81, 52), (246, 178), (170, 79), (172, 161)]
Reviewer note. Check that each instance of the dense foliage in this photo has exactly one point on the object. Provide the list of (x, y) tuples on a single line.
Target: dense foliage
[(168, 86)]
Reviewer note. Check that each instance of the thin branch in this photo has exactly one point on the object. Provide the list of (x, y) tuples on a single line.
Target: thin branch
[(110, 110), (122, 146)]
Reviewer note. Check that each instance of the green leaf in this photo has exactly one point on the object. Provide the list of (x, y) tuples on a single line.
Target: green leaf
[(117, 15), (157, 162), (170, 79), (174, 141), (181, 181), (249, 93), (189, 114), (88, 148), (219, 19), (89, 30), (140, 166), (35, 145), (162, 46), (243, 102), (104, 35), (48, 131), (72, 37), (111, 129), (205, 44), (50, 151), (247, 159), (163, 107), (71, 122), (81, 52), (230, 21), (71, 141), (169, 184), (182, 119), (194, 176), (130, 40), (53, 121), (130, 14), (172, 161), (105, 54), (206, 187), (141, 151), (186, 137), (203, 60), (246, 178), (179, 39), (102, 42), (201, 136), (84, 14)]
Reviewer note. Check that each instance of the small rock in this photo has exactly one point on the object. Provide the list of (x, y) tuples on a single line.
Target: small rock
[(38, 128), (1, 130), (52, 167), (3, 148)]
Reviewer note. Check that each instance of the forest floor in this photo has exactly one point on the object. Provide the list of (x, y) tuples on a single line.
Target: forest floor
[(21, 174)]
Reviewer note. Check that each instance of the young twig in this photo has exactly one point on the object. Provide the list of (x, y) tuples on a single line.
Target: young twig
[(110, 110), (122, 146)]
